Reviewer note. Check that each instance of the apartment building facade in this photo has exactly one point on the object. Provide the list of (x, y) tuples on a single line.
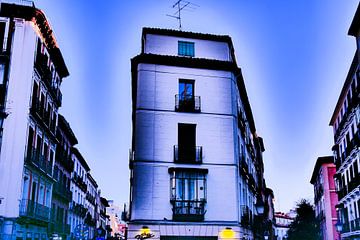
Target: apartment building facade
[(345, 123), (79, 189), (32, 71), (325, 196), (36, 143), (64, 166), (196, 161), (282, 225)]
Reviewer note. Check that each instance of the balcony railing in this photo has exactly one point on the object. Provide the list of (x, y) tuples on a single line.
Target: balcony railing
[(354, 183), (187, 154), (187, 103), (36, 159), (46, 76), (246, 217), (79, 209), (355, 225), (188, 210), (252, 183), (59, 228), (62, 191), (90, 198), (353, 144), (64, 159), (244, 168), (38, 110), (80, 182), (352, 104), (31, 209)]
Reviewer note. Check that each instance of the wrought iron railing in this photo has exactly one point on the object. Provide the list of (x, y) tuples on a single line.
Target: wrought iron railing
[(188, 154), (29, 208), (188, 210), (38, 160), (187, 103)]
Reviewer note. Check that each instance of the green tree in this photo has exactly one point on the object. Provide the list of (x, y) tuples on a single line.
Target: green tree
[(305, 224)]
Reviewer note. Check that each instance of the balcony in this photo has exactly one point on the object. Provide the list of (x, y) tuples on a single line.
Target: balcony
[(246, 217), (188, 210), (79, 209), (59, 228), (64, 160), (44, 71), (241, 125), (186, 154), (80, 182), (62, 191), (244, 168), (89, 220), (352, 105), (39, 161), (355, 225), (90, 198), (353, 184), (187, 103), (252, 183), (34, 210), (38, 111)]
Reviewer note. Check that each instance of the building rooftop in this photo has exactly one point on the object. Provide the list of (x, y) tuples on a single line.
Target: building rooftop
[(92, 180), (82, 160), (354, 27), (27, 11), (344, 89), (319, 162), (65, 126)]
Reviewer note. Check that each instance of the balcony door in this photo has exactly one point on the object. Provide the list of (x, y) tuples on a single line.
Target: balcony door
[(186, 95), (187, 142)]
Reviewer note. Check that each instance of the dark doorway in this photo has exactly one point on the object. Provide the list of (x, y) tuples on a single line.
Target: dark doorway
[(187, 142)]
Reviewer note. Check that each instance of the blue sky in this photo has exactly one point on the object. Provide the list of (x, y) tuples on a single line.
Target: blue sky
[(294, 55)]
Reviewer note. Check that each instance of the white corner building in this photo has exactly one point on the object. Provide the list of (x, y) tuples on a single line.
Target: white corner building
[(196, 161)]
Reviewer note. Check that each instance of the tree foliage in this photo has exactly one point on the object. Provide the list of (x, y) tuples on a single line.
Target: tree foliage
[(305, 224)]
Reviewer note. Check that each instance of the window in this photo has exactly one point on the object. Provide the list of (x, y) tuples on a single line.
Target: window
[(188, 186), (186, 101), (188, 194), (186, 49), (186, 88)]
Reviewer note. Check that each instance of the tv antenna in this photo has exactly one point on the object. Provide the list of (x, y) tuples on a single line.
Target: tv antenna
[(181, 5)]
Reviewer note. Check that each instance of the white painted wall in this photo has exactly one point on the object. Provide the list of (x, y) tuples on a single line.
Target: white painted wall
[(157, 133), (168, 45), (15, 125)]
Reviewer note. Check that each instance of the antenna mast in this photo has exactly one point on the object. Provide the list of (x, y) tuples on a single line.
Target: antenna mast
[(181, 5)]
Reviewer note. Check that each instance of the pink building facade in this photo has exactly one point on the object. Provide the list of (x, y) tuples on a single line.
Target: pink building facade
[(325, 197)]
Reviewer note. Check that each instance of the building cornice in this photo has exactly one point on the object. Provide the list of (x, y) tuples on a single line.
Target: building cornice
[(354, 27), (36, 16), (344, 89), (319, 162), (65, 127), (82, 160)]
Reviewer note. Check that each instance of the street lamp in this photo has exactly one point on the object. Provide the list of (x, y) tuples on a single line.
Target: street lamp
[(339, 226), (266, 235), (259, 206)]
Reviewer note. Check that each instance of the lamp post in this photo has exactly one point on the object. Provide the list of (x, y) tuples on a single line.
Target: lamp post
[(266, 235), (339, 227), (259, 206)]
